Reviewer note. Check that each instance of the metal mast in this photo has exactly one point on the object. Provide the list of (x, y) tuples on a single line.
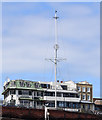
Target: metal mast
[(55, 58)]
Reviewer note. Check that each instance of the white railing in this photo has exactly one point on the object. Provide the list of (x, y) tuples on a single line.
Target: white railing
[(69, 99)]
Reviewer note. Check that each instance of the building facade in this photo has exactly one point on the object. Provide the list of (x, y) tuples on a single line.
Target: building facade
[(30, 94), (85, 91), (24, 93), (97, 105)]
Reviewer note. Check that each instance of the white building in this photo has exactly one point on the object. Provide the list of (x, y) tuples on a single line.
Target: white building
[(24, 93)]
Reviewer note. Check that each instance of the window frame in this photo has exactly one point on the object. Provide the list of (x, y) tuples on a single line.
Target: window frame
[(83, 97), (88, 88), (87, 97), (84, 90)]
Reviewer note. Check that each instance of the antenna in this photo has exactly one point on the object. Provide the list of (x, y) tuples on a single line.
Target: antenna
[(55, 60)]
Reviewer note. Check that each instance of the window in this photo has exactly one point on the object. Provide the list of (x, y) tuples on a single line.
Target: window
[(79, 88), (21, 101), (20, 92), (83, 89), (22, 84), (69, 105), (39, 93), (28, 84), (52, 104), (79, 95), (61, 104), (66, 94), (24, 103), (88, 106), (13, 84), (88, 97), (88, 89), (37, 85), (12, 92), (84, 97), (72, 95), (45, 86), (58, 94), (74, 105), (11, 97), (6, 95), (24, 92), (30, 92), (49, 93), (77, 105), (39, 103), (64, 87), (83, 106)]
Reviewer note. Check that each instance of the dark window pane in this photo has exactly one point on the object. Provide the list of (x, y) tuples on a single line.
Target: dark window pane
[(64, 87)]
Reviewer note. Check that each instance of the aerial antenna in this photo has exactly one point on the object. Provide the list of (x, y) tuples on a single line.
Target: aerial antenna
[(55, 60)]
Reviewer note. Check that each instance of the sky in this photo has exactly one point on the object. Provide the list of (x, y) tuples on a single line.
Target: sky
[(28, 38)]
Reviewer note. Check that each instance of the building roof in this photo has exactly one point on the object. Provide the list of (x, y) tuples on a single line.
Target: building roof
[(97, 101), (84, 83)]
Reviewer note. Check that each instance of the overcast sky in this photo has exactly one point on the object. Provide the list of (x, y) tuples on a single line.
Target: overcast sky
[(28, 38)]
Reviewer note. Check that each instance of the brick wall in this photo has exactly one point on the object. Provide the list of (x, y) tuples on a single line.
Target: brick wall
[(39, 114)]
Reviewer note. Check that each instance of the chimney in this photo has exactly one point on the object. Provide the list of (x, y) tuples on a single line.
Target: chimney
[(57, 80)]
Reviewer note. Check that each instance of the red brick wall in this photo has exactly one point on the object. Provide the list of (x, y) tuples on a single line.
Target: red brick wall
[(39, 113)]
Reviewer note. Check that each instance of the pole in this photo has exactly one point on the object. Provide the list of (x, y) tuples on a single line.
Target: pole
[(45, 112), (55, 76), (55, 60)]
